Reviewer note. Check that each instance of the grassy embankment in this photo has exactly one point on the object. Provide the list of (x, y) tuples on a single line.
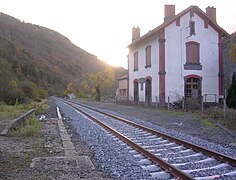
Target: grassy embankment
[(31, 126), (209, 117)]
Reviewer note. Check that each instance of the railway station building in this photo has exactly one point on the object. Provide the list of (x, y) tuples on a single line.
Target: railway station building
[(181, 58)]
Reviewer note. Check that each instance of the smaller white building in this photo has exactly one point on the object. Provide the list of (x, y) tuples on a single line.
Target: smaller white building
[(180, 58), (70, 96), (122, 91)]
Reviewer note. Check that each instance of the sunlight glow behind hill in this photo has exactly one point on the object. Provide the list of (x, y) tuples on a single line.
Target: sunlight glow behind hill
[(103, 27)]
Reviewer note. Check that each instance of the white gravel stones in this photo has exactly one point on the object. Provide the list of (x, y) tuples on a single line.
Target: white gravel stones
[(113, 156), (118, 160)]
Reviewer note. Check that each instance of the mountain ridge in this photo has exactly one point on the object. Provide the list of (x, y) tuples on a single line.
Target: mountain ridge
[(44, 57)]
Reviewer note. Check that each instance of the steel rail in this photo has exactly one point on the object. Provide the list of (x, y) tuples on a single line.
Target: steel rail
[(211, 153), (179, 174)]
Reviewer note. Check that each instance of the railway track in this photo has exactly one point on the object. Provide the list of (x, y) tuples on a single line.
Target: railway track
[(152, 149)]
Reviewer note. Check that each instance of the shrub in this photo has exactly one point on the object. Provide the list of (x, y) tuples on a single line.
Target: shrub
[(231, 93), (30, 129), (82, 95)]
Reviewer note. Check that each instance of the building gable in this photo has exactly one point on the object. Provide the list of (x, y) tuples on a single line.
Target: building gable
[(192, 10), (188, 43)]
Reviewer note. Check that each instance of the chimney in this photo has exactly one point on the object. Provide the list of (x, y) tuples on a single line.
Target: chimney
[(211, 13), (169, 12), (135, 33)]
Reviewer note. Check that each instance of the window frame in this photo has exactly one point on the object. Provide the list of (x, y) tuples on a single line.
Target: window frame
[(148, 53), (192, 63), (136, 61)]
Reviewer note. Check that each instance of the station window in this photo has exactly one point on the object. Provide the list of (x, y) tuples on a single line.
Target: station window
[(148, 56), (192, 56), (136, 61)]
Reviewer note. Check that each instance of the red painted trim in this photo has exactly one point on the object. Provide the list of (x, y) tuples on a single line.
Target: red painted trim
[(195, 9), (135, 80), (149, 78), (220, 65), (162, 71), (192, 42), (214, 25), (192, 76), (128, 93)]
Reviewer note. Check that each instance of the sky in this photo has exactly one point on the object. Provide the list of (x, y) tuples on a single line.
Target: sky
[(104, 27)]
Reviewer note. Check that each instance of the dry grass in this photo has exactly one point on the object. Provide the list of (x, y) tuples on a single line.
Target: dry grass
[(217, 116), (31, 128), (11, 112)]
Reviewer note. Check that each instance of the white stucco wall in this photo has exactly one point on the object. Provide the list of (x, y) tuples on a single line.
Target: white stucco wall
[(145, 72), (175, 58), (176, 37)]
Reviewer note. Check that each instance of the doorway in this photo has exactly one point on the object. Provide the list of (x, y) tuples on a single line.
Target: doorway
[(193, 90), (148, 92), (136, 92)]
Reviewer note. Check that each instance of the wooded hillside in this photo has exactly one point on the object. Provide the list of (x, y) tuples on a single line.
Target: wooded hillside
[(36, 61), (229, 59)]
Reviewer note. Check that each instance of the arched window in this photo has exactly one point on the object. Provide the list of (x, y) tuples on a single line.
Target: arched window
[(136, 61), (148, 56), (192, 56), (148, 91)]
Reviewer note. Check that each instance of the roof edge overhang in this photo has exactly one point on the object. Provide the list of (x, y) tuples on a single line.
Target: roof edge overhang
[(123, 77), (154, 32)]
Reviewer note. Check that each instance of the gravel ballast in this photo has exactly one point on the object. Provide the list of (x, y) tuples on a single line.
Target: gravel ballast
[(115, 158)]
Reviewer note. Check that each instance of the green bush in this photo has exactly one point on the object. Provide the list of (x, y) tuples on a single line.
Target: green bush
[(231, 93), (82, 95)]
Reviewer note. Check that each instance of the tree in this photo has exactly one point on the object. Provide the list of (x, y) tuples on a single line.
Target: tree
[(14, 93), (8, 83), (29, 89), (231, 93), (42, 93), (233, 52), (83, 89), (101, 80)]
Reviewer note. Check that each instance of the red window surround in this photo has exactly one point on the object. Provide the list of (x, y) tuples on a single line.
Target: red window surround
[(148, 56), (192, 56), (192, 50), (148, 78), (136, 61)]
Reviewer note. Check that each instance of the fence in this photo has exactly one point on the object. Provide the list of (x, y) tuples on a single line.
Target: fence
[(208, 100), (196, 104)]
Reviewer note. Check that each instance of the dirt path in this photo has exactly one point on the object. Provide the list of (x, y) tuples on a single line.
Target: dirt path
[(43, 156)]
